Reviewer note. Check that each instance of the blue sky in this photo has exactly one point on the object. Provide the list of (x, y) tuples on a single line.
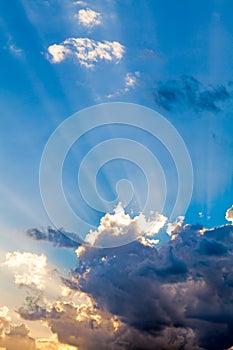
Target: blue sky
[(60, 57)]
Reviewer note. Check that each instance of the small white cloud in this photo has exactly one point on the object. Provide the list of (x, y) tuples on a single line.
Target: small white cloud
[(80, 3), (131, 80), (29, 269), (88, 18), (229, 215), (86, 51)]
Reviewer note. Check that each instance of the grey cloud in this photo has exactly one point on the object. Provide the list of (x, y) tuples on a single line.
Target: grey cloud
[(17, 337), (59, 238), (188, 92), (176, 297), (187, 284)]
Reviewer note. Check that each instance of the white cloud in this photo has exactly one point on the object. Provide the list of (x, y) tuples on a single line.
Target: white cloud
[(229, 215), (88, 18), (130, 81), (86, 51), (119, 228), (29, 269), (80, 3)]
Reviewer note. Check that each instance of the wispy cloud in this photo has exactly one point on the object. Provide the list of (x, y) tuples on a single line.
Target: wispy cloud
[(188, 92), (88, 18), (57, 237), (130, 82), (86, 51)]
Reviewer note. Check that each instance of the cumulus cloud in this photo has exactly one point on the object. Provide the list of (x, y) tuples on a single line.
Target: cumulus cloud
[(119, 228), (17, 337), (86, 51), (59, 238), (136, 296), (178, 296), (29, 269), (88, 18), (188, 92), (229, 215)]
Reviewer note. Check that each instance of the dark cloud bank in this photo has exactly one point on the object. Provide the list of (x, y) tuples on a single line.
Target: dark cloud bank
[(178, 297), (188, 93)]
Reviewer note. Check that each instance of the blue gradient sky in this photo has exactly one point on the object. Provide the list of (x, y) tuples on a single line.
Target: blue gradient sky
[(164, 41)]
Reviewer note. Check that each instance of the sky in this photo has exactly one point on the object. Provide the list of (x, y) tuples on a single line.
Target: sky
[(116, 174)]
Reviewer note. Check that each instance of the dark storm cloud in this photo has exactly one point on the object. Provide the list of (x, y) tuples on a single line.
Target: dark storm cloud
[(177, 297), (187, 284), (188, 92), (57, 237)]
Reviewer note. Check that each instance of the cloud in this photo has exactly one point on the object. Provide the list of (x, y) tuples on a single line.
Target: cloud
[(229, 215), (29, 269), (130, 82), (46, 344), (86, 51), (80, 3), (139, 297), (59, 238), (15, 50), (17, 337), (177, 297), (119, 228), (187, 92), (173, 227), (88, 18)]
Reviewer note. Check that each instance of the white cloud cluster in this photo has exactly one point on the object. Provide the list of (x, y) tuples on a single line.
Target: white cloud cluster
[(29, 269), (88, 18), (119, 228), (229, 215), (86, 51)]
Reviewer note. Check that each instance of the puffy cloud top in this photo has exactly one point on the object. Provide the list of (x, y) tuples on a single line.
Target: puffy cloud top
[(86, 51), (88, 17), (229, 215)]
